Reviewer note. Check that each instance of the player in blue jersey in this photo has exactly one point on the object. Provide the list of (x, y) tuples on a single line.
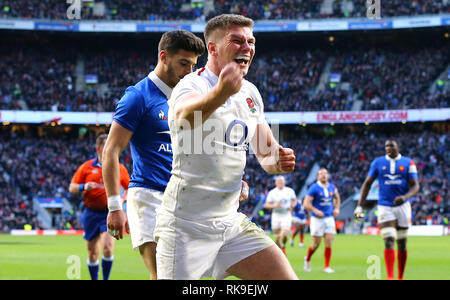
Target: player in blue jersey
[(299, 223), (398, 181), (323, 203), (141, 120)]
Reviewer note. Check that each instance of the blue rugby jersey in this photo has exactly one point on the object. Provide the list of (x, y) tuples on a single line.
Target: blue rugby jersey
[(322, 198), (143, 109), (393, 175)]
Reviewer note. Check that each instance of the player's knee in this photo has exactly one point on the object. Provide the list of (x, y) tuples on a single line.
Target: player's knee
[(93, 256), (108, 252), (389, 235), (402, 235)]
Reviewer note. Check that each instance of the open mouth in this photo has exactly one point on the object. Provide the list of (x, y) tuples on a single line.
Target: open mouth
[(242, 60)]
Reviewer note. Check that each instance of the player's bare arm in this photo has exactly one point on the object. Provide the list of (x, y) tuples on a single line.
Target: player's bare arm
[(362, 198), (309, 207), (230, 82), (272, 157), (118, 139), (336, 203), (413, 190)]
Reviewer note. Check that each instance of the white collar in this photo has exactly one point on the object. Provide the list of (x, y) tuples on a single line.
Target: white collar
[(211, 76), (322, 185), (160, 84), (397, 158)]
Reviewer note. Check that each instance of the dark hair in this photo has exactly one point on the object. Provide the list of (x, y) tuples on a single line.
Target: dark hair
[(101, 139), (224, 22), (173, 41)]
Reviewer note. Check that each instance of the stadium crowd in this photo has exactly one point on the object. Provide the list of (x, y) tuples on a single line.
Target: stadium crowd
[(165, 10), (44, 165), (388, 78)]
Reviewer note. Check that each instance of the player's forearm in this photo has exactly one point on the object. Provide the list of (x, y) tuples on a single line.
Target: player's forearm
[(196, 106), (269, 162), (111, 172), (363, 196), (413, 191), (337, 202)]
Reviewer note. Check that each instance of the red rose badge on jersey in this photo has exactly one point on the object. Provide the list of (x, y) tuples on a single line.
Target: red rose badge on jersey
[(251, 105)]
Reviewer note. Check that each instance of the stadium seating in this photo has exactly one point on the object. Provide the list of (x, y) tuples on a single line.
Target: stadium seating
[(155, 10), (289, 80), (44, 167)]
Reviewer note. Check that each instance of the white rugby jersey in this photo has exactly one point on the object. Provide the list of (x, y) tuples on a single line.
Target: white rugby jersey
[(209, 160), (283, 196)]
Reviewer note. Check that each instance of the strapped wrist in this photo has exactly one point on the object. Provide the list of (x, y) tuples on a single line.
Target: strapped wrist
[(114, 203)]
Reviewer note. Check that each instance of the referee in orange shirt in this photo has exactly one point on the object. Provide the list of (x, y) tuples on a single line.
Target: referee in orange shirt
[(88, 179)]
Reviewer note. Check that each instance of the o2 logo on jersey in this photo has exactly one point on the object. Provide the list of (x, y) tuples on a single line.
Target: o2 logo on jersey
[(228, 140)]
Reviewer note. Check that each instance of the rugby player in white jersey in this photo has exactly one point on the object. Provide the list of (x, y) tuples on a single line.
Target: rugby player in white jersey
[(214, 114), (281, 200)]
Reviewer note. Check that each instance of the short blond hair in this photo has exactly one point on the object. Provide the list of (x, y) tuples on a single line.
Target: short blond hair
[(224, 21)]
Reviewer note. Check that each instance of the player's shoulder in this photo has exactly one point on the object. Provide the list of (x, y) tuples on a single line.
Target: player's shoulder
[(379, 159), (252, 90), (406, 159), (272, 191), (290, 190), (313, 186)]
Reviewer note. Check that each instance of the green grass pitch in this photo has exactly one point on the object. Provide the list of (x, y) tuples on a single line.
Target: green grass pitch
[(46, 257)]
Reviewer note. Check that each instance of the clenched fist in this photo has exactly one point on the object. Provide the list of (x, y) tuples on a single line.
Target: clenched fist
[(231, 79), (286, 160)]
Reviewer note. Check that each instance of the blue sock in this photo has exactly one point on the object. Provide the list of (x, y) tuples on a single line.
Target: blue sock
[(93, 269), (107, 263)]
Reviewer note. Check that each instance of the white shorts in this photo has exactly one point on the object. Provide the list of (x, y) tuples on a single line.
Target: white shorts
[(142, 204), (321, 226), (281, 221), (400, 213), (190, 250), (297, 220)]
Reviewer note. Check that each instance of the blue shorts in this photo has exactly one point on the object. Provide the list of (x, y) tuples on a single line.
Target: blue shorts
[(94, 223)]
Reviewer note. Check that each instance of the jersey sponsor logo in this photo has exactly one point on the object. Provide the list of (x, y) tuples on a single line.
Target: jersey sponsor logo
[(325, 201), (161, 115), (392, 179), (228, 133), (165, 148)]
